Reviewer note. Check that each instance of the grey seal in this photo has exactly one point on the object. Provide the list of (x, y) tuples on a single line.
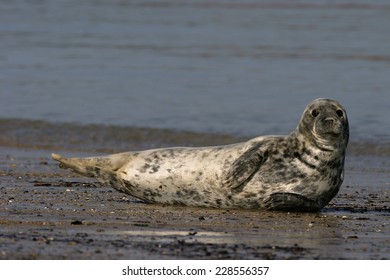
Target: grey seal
[(301, 171)]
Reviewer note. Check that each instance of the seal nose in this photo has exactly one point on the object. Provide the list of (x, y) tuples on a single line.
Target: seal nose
[(332, 124), (329, 121)]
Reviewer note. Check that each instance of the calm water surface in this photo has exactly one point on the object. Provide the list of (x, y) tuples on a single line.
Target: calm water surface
[(237, 67)]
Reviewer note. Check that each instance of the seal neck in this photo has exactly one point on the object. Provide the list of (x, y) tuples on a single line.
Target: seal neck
[(321, 147)]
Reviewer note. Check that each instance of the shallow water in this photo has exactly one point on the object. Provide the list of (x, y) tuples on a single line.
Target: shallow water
[(245, 68)]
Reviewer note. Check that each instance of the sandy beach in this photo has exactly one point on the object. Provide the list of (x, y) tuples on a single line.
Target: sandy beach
[(50, 213)]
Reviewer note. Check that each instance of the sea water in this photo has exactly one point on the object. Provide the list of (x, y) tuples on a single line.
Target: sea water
[(236, 67)]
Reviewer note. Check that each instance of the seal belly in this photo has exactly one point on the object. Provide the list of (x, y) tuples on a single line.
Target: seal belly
[(185, 176)]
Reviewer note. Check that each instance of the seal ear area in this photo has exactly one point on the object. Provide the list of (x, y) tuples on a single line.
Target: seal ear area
[(290, 202)]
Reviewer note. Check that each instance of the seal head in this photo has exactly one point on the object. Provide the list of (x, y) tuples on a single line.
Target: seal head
[(324, 123)]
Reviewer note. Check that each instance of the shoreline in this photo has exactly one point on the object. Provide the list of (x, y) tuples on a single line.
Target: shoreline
[(102, 138), (50, 213)]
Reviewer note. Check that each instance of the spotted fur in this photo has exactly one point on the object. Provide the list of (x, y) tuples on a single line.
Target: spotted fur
[(302, 171)]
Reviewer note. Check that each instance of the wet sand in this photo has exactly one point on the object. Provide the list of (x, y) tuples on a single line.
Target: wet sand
[(50, 213)]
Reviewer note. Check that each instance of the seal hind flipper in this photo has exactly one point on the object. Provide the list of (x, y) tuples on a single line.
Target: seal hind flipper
[(85, 166), (76, 164), (290, 202), (243, 169)]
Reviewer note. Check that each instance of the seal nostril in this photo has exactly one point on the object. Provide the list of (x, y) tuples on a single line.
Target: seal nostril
[(329, 120)]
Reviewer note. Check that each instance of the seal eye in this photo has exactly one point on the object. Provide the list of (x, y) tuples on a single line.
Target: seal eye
[(315, 113), (340, 113)]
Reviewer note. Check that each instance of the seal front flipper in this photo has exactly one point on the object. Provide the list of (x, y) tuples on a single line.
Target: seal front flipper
[(243, 169), (290, 202)]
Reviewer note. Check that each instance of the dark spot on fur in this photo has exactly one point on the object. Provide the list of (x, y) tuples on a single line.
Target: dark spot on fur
[(154, 169), (278, 160), (293, 181), (299, 188), (280, 173), (185, 193), (170, 178), (302, 176), (254, 204), (144, 168), (306, 151), (265, 187), (94, 171), (150, 195), (178, 202), (299, 157), (249, 195)]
